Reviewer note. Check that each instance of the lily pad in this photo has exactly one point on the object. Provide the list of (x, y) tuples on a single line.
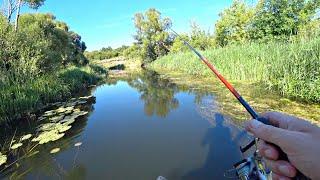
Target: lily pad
[(55, 150), (16, 146), (63, 128), (78, 144), (47, 127), (57, 118), (61, 110), (48, 136), (3, 159), (26, 137), (68, 121)]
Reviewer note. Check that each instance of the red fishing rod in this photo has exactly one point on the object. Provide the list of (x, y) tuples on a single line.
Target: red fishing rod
[(252, 161), (244, 103)]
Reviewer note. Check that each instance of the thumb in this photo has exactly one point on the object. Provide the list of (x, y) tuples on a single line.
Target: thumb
[(280, 137)]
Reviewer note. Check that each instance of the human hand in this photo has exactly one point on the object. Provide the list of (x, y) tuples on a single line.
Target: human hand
[(299, 139)]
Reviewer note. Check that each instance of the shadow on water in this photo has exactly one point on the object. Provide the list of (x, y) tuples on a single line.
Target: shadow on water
[(223, 152)]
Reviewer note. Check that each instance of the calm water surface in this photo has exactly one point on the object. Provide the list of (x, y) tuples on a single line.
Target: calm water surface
[(141, 128)]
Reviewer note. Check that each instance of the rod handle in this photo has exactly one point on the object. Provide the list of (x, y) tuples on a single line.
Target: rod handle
[(282, 155)]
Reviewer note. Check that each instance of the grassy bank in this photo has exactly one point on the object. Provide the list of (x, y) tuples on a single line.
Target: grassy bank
[(20, 99), (293, 69)]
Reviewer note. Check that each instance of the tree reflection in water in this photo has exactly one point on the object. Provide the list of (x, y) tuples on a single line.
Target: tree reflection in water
[(157, 93)]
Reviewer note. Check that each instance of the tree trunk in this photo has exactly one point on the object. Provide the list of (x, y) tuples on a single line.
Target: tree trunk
[(18, 15), (9, 10)]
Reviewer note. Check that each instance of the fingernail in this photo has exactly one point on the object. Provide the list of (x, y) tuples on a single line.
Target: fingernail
[(268, 153), (255, 124), (284, 170)]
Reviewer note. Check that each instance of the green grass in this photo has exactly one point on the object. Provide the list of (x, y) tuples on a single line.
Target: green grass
[(19, 99), (293, 69)]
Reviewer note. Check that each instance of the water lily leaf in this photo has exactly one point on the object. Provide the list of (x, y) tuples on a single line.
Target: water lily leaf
[(26, 137), (55, 150), (68, 112), (68, 121), (69, 108), (61, 110), (64, 128), (47, 127), (3, 159), (78, 144), (48, 136), (16, 146), (57, 118)]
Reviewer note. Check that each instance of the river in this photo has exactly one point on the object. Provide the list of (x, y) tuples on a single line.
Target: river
[(148, 125)]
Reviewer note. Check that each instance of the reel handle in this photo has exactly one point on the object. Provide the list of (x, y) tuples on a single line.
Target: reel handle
[(282, 155)]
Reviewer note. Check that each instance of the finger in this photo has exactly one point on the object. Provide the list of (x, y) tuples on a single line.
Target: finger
[(268, 151), (286, 121), (277, 136), (279, 177), (282, 168)]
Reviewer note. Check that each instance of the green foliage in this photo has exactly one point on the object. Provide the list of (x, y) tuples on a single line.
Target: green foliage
[(19, 99), (234, 23), (30, 60), (280, 19), (291, 69), (106, 53), (132, 52), (152, 37), (34, 4)]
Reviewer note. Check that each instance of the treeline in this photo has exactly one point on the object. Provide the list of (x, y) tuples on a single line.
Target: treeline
[(40, 58), (275, 43), (267, 21), (106, 53)]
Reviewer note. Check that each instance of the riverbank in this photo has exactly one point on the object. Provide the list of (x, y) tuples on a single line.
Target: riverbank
[(290, 69), (261, 99), (21, 100)]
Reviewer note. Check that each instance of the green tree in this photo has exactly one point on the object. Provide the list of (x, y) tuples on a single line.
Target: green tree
[(280, 19), (200, 39), (233, 24), (151, 35), (14, 6)]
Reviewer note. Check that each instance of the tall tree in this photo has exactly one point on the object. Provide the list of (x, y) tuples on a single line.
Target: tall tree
[(233, 25), (14, 6), (151, 34)]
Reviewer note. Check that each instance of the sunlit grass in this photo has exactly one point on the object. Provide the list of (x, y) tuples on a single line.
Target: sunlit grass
[(19, 98), (293, 69)]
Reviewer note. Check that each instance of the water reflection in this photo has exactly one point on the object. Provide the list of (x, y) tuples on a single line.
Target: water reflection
[(223, 152), (197, 142), (157, 94)]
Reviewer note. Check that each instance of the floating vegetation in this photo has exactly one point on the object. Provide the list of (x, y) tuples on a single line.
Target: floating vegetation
[(16, 146), (54, 125), (26, 137), (55, 150), (78, 144), (3, 159)]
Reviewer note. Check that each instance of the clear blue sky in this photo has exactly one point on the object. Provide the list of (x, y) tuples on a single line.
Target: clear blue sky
[(103, 23)]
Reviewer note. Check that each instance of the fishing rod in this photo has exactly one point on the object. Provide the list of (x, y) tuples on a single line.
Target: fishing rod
[(252, 167)]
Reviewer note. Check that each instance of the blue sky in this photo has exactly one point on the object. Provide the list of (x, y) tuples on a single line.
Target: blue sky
[(103, 23)]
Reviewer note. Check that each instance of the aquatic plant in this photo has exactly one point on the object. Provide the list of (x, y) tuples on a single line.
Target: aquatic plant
[(55, 150), (3, 159), (291, 69), (26, 137)]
